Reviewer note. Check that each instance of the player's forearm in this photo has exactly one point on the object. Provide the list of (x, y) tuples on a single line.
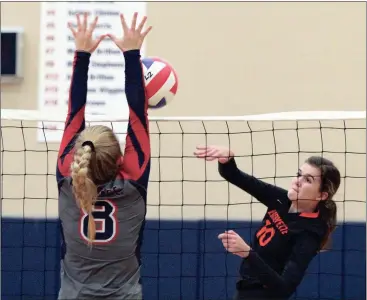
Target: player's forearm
[(268, 277), (137, 151), (75, 121), (79, 82), (266, 193), (230, 172), (134, 83), (246, 182)]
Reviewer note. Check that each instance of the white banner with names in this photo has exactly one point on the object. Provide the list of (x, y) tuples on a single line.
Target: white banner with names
[(106, 77)]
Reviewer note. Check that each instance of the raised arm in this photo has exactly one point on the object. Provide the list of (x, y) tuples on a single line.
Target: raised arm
[(136, 160), (268, 194), (305, 248), (75, 122)]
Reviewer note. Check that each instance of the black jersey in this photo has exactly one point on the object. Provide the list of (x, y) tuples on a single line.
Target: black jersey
[(282, 247)]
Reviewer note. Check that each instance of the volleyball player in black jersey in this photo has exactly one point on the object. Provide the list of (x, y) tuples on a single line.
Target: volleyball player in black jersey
[(297, 225)]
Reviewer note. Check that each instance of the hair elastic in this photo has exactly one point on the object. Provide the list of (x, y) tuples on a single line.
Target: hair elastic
[(90, 144)]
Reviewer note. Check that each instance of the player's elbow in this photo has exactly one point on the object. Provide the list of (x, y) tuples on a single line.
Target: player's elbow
[(281, 291), (285, 290)]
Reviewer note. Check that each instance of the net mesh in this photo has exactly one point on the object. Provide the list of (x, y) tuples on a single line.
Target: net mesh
[(189, 204)]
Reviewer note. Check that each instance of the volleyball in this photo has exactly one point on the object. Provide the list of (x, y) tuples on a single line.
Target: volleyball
[(161, 82)]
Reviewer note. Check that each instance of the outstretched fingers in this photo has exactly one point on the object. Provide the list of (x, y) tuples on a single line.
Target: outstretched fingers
[(97, 41), (200, 147), (222, 235), (209, 155), (201, 153), (70, 25), (82, 26), (133, 36), (78, 23), (85, 22), (94, 24), (226, 236), (112, 37), (125, 28), (141, 24), (145, 33), (133, 22)]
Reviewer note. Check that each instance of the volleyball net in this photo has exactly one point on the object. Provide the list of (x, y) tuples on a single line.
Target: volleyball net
[(189, 204)]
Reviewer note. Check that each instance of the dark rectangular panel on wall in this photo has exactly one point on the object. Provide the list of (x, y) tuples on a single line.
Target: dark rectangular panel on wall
[(8, 53)]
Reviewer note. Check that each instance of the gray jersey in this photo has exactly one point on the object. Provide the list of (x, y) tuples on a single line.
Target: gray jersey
[(110, 268)]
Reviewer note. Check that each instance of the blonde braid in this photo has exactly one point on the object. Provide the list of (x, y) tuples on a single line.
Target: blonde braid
[(84, 189)]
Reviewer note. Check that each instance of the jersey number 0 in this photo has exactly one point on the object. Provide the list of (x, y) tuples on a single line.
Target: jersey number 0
[(265, 234), (106, 223)]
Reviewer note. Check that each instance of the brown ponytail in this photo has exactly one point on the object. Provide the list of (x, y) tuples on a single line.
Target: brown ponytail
[(328, 211), (330, 182)]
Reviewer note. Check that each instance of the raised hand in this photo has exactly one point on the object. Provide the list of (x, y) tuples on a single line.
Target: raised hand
[(211, 153), (83, 35), (233, 243), (133, 37)]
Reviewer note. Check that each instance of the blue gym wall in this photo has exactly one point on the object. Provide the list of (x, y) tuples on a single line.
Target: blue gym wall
[(180, 261)]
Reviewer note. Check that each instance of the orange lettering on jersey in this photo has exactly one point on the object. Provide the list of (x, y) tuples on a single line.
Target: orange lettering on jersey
[(265, 234), (278, 222)]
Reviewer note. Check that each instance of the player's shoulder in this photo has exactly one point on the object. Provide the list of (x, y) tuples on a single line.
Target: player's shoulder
[(281, 204), (313, 224)]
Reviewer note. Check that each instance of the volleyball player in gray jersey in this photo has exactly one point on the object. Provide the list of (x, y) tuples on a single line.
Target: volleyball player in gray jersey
[(102, 192)]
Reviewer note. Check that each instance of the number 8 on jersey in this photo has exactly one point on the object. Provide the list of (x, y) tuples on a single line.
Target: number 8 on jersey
[(104, 213)]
